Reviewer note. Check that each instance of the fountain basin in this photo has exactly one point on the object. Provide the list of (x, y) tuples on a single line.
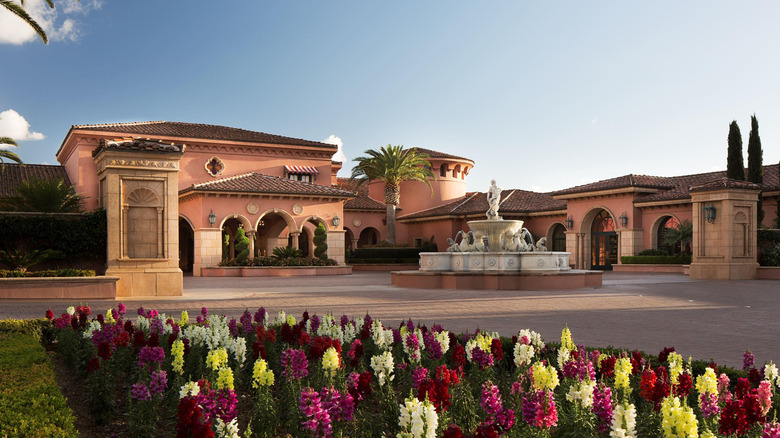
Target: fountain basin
[(493, 229), (536, 261)]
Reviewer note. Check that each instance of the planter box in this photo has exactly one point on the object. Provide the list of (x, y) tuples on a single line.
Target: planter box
[(274, 271), (666, 269), (65, 288), (387, 267), (769, 272)]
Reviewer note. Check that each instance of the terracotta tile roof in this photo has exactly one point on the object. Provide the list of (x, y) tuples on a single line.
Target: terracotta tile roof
[(137, 144), (202, 131), (620, 182), (254, 182), (14, 174), (724, 183), (436, 154), (512, 202), (361, 201)]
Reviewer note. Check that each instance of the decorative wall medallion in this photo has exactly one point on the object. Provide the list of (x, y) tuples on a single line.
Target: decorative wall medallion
[(492, 262), (252, 208), (510, 262), (457, 262), (214, 166), (540, 262), (356, 222), (475, 262), (559, 262), (430, 262), (297, 208)]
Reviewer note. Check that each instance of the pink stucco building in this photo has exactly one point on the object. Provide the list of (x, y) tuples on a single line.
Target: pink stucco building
[(279, 188)]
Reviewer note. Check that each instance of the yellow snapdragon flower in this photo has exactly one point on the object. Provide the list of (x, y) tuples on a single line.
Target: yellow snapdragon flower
[(177, 352), (678, 421), (544, 377), (184, 318), (261, 375), (566, 340), (707, 383), (225, 378), (330, 361), (217, 359), (623, 369)]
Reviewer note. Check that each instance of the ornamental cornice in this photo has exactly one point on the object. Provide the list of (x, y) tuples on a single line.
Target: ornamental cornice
[(153, 164)]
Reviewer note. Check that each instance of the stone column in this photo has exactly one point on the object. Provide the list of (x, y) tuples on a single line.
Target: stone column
[(251, 235), (631, 241), (336, 246), (571, 247), (725, 247), (295, 235), (208, 249)]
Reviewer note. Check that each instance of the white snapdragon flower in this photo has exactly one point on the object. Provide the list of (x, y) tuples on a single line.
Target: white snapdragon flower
[(624, 421), (582, 393), (534, 338), (189, 388), (523, 354), (382, 365), (93, 326), (443, 338), (71, 310), (381, 337)]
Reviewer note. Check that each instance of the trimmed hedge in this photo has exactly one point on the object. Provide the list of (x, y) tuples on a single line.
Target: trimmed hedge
[(276, 261), (48, 273), (41, 329), (768, 237), (385, 253), (682, 259), (31, 404), (75, 235)]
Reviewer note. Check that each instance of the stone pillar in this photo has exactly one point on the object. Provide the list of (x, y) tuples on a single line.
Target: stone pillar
[(725, 248), (295, 235), (208, 249), (336, 246), (571, 247), (141, 197), (251, 235), (631, 241)]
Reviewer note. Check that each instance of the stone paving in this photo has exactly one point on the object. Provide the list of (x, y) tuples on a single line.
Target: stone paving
[(703, 319)]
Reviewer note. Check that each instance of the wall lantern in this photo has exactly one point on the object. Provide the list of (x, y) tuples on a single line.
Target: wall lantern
[(336, 220), (570, 223), (212, 218), (709, 213), (623, 220)]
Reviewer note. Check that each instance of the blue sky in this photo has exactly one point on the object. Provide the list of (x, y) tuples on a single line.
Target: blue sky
[(542, 95)]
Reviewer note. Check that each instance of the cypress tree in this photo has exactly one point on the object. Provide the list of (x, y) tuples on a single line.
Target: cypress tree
[(756, 163), (735, 168)]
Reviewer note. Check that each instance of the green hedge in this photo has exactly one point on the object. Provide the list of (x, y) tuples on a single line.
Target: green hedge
[(77, 236), (48, 273), (385, 253), (31, 404), (276, 261), (40, 329), (768, 237), (384, 261), (682, 259)]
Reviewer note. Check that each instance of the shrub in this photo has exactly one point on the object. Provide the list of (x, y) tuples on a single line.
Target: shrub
[(652, 252), (278, 261), (770, 256), (286, 252), (41, 329), (242, 244), (31, 404), (48, 273), (21, 260), (320, 239), (681, 259), (77, 236)]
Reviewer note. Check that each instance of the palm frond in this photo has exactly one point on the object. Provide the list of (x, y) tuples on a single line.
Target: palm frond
[(21, 13)]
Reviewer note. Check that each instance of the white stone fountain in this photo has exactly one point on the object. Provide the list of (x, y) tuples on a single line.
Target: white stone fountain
[(495, 244)]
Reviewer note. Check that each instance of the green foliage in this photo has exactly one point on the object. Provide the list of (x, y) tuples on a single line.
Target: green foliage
[(41, 329), (77, 236), (682, 235), (429, 245), (756, 163), (31, 404), (320, 239), (770, 256), (680, 259), (242, 244), (735, 167), (9, 155), (652, 252), (287, 252), (20, 261), (280, 261), (48, 273), (44, 195)]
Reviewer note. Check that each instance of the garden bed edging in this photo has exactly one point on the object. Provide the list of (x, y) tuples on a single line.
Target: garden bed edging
[(70, 288)]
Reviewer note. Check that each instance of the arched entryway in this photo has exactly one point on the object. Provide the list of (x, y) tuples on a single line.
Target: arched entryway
[(229, 229), (556, 241), (666, 223), (273, 230), (369, 236), (603, 242), (349, 239), (186, 245)]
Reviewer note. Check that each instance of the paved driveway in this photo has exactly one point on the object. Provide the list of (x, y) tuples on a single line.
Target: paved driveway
[(703, 319)]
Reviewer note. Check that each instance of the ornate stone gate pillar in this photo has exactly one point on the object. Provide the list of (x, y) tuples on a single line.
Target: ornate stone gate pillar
[(724, 230), (139, 188)]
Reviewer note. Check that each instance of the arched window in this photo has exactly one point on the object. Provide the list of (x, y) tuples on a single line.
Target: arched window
[(559, 238), (603, 222), (668, 223), (444, 169)]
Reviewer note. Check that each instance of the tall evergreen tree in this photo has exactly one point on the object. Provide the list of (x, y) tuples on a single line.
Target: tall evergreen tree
[(735, 168), (756, 163)]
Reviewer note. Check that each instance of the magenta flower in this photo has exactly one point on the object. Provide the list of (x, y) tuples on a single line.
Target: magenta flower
[(708, 402), (539, 409), (158, 383), (498, 417), (481, 358), (295, 364), (121, 307), (418, 376), (150, 356), (771, 430), (140, 391), (602, 406)]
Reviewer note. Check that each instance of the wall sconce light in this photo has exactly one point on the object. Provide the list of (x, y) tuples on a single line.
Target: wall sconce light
[(709, 213), (212, 218), (624, 220), (336, 220), (569, 223)]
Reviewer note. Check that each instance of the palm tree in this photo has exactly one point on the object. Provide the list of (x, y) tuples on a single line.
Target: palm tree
[(682, 235), (21, 13), (44, 195), (8, 154), (392, 165)]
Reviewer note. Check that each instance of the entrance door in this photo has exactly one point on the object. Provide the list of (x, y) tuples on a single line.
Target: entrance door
[(605, 247), (604, 242)]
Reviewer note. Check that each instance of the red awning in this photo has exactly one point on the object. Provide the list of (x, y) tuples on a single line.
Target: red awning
[(302, 169)]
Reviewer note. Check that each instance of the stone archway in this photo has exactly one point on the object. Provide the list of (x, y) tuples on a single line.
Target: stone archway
[(556, 237), (186, 244), (369, 236), (275, 228), (607, 242)]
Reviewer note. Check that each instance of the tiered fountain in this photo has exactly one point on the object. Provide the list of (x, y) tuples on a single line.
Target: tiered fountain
[(496, 254)]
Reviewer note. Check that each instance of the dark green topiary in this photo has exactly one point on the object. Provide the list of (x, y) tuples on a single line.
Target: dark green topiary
[(756, 163), (242, 245), (320, 239), (735, 167)]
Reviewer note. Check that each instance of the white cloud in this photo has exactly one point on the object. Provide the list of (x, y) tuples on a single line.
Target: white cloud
[(13, 125), (58, 27), (339, 155)]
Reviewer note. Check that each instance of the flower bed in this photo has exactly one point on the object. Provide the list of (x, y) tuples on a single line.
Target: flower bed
[(323, 376)]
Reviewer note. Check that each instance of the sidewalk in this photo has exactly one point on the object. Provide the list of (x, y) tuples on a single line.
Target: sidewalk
[(703, 319)]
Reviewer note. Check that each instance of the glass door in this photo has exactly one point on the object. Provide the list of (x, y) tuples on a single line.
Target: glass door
[(604, 250)]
